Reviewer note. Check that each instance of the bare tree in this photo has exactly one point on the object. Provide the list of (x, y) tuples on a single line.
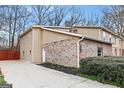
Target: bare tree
[(40, 14), (57, 15), (76, 17), (2, 17), (92, 20), (113, 18), (14, 16)]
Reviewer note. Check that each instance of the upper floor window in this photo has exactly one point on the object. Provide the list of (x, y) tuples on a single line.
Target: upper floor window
[(117, 41), (70, 30), (110, 38), (103, 35), (75, 31)]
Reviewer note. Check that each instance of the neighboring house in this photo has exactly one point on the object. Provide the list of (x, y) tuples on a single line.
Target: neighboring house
[(39, 45), (100, 33)]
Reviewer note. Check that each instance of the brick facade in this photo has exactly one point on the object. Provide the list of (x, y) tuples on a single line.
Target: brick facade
[(88, 48), (62, 52)]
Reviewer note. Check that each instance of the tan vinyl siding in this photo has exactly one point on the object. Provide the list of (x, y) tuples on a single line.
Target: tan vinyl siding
[(26, 46), (37, 45), (49, 36), (106, 36), (93, 33)]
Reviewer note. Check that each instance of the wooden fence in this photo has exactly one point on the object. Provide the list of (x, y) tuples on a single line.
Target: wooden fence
[(9, 55)]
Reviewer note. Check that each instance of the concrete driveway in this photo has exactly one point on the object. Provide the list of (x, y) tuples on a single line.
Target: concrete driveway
[(23, 74)]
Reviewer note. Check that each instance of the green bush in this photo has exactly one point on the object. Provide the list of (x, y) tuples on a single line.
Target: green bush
[(2, 81), (107, 69)]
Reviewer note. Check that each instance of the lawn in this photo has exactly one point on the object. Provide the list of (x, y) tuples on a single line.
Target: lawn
[(2, 81), (108, 70)]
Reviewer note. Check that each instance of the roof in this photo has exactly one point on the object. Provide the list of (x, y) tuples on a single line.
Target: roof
[(57, 27), (94, 27), (52, 30), (97, 40), (62, 32)]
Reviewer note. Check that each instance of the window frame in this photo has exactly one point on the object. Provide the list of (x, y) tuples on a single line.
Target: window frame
[(99, 49)]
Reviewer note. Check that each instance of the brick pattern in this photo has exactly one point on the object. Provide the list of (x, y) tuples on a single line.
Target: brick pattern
[(62, 52), (89, 48)]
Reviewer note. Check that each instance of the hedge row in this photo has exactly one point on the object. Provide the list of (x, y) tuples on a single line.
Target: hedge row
[(106, 69)]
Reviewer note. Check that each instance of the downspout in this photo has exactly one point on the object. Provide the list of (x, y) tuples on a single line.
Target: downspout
[(78, 50)]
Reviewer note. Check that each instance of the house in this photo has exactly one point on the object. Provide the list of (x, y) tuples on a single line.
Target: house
[(104, 34), (39, 44), (99, 33)]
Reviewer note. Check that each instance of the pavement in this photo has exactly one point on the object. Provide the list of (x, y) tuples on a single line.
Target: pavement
[(23, 74)]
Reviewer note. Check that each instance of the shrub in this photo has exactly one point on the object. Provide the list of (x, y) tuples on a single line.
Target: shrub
[(107, 69), (2, 81)]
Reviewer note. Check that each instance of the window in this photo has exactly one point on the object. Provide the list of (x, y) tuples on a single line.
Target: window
[(100, 51), (70, 30), (122, 52), (110, 40), (75, 31), (104, 35)]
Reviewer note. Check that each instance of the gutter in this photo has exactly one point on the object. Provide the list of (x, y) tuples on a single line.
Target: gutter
[(78, 51)]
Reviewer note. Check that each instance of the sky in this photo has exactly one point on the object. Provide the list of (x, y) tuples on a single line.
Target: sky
[(93, 9)]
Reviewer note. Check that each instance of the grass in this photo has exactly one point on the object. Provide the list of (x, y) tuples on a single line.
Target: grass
[(94, 78), (2, 81)]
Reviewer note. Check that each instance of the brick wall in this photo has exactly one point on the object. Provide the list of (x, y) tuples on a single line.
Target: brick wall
[(89, 48), (62, 52)]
